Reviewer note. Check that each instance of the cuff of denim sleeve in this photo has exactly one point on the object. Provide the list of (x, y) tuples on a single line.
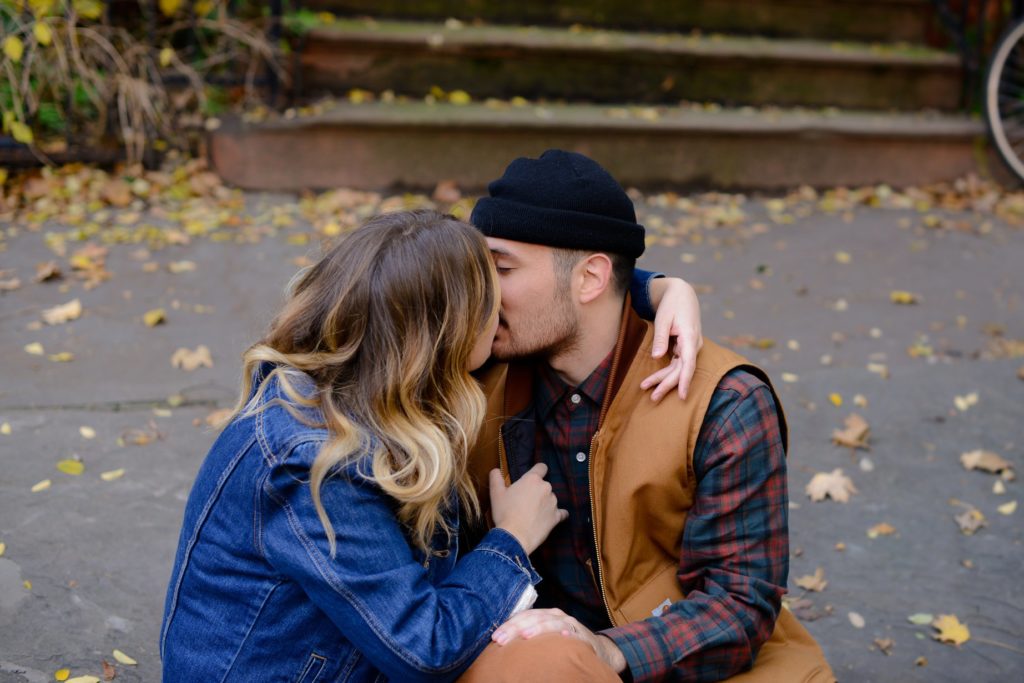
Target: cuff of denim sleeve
[(630, 639), (508, 546)]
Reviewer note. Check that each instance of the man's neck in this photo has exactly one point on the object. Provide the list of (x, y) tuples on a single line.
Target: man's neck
[(599, 331)]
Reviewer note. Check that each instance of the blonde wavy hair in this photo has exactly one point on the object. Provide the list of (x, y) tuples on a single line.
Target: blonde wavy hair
[(384, 325)]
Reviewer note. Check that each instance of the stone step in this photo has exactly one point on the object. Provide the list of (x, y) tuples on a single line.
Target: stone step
[(415, 145), (868, 20), (613, 66)]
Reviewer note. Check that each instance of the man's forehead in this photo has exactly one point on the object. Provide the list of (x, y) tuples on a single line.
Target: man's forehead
[(504, 247)]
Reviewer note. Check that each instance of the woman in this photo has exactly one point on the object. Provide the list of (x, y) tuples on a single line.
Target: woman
[(321, 535)]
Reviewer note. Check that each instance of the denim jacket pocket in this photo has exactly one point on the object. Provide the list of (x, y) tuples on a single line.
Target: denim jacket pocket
[(314, 667)]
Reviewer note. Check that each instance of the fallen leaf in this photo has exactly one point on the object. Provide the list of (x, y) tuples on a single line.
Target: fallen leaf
[(970, 520), (3, 549), (122, 658), (63, 313), (856, 619), (854, 434), (921, 618), (881, 529), (899, 296), (950, 630), (836, 399), (921, 661), (447, 192), (61, 674), (27, 584), (83, 679), (117, 193), (189, 360), (155, 317), (1007, 508), (87, 432), (998, 487), (62, 357), (1020, 372), (217, 418), (805, 609), (987, 461), (5, 428), (178, 267), (10, 285), (70, 466), (813, 582), (112, 474), (885, 645), (35, 348), (963, 403), (834, 485), (109, 672), (790, 377), (41, 486), (48, 270)]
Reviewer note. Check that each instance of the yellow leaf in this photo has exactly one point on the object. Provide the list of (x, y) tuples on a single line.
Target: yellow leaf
[(122, 658), (21, 133), (813, 582), (41, 486), (155, 317), (62, 357), (203, 7), (14, 48), (189, 360), (459, 97), (40, 8), (169, 7), (43, 34), (834, 485), (898, 296), (950, 630), (88, 9), (112, 475), (61, 674), (3, 549), (842, 257), (87, 432), (27, 584), (836, 399), (3, 175), (84, 679), (178, 267), (854, 435), (1008, 508), (790, 377), (5, 428), (166, 56), (72, 467)]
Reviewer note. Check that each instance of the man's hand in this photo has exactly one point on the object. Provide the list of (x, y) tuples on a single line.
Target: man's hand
[(678, 315), (534, 622)]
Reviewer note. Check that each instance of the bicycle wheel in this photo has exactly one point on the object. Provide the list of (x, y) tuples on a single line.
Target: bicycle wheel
[(1004, 98)]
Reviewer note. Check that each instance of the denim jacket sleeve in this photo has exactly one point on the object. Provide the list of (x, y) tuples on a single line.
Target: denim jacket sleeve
[(376, 590), (640, 292)]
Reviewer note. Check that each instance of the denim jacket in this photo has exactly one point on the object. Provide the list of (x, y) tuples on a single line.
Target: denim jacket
[(256, 596)]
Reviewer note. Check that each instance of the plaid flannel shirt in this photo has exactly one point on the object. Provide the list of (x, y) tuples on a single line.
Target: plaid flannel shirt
[(734, 561)]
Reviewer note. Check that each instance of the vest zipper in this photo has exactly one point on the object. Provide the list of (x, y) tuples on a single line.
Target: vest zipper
[(505, 474)]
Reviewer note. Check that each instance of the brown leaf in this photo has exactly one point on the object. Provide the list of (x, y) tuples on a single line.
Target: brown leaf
[(447, 192), (1020, 373), (834, 485), (218, 417), (109, 672), (989, 462), (813, 582), (10, 285), (854, 434), (885, 645), (970, 520), (881, 529), (48, 270), (805, 609), (189, 360), (117, 193)]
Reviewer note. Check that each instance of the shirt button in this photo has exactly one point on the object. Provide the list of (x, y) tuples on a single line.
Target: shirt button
[(581, 456), (575, 398)]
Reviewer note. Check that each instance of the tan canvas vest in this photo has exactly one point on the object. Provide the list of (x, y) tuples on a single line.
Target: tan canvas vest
[(642, 489)]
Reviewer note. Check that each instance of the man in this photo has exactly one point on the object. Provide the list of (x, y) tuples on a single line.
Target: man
[(674, 559)]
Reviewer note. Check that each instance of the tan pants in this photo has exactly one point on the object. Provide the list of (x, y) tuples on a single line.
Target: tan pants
[(552, 657), (789, 656)]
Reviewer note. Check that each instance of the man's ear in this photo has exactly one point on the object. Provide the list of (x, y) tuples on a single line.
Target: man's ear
[(596, 273)]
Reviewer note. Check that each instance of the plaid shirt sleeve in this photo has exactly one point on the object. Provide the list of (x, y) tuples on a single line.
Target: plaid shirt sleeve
[(734, 561)]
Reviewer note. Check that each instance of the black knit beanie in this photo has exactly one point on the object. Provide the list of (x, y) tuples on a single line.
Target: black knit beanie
[(562, 199)]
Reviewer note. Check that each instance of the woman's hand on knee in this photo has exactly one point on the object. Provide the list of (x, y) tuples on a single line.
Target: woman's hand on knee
[(535, 622)]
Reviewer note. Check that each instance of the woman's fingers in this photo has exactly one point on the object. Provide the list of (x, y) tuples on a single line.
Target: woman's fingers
[(534, 622)]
